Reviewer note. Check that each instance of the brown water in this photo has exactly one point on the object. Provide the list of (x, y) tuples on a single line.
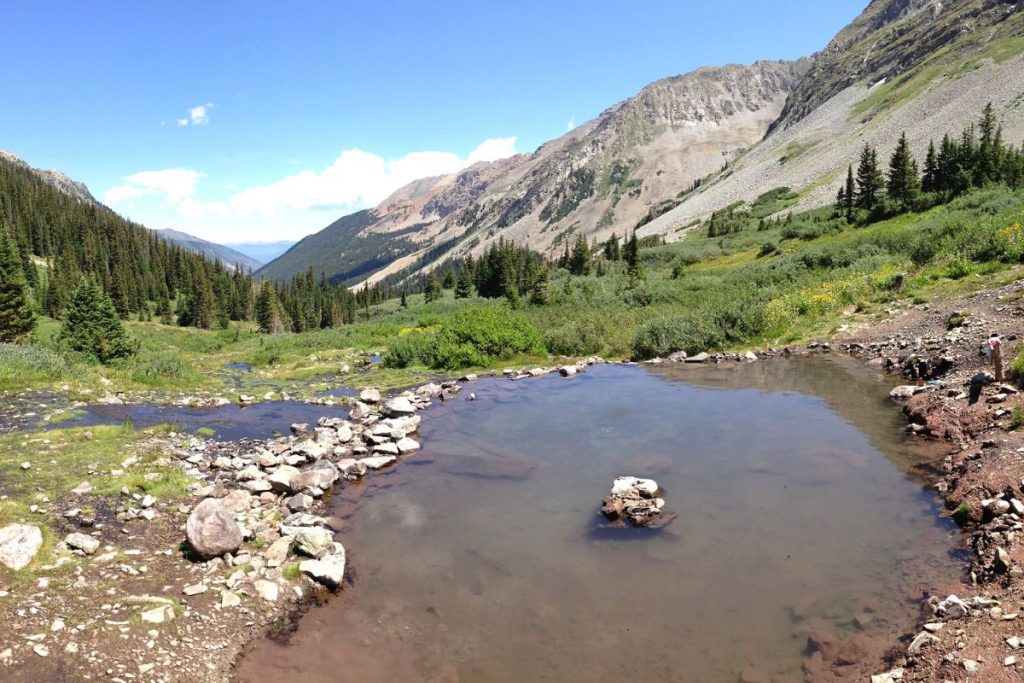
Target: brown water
[(798, 509)]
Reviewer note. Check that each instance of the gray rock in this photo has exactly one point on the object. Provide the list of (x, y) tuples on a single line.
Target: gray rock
[(82, 489), (310, 449), (387, 448), (313, 541), (399, 406), (300, 502), (19, 543), (211, 531), (329, 571), (377, 462), (906, 391), (281, 478), (237, 501), (369, 396), (351, 468), (407, 445), (79, 541), (699, 358), (316, 479)]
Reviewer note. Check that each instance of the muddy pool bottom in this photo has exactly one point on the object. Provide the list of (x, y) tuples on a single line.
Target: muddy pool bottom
[(801, 507)]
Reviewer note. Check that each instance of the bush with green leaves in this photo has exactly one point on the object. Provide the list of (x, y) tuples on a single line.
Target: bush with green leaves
[(21, 365), (92, 326), (472, 336), (702, 328)]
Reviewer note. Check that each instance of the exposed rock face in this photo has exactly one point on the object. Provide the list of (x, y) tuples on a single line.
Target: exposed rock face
[(19, 543), (211, 531), (55, 179), (603, 177)]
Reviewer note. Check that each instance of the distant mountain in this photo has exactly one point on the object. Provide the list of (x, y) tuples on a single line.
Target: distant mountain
[(264, 252), (921, 66), (55, 179), (636, 158), (683, 147), (216, 252)]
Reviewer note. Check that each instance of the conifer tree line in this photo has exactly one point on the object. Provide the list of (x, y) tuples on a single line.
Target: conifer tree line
[(71, 241), (976, 158)]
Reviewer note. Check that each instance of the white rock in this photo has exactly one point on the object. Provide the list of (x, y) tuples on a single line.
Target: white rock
[(329, 571), (407, 445), (78, 541), (158, 615), (377, 462), (369, 396), (399, 406), (19, 543), (229, 599), (268, 590)]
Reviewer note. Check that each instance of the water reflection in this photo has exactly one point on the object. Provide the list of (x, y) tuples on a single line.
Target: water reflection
[(796, 513)]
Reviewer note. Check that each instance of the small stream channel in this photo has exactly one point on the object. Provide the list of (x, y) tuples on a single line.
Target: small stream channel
[(801, 507)]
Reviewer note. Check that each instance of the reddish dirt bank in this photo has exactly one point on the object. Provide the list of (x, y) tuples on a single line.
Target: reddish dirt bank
[(937, 349)]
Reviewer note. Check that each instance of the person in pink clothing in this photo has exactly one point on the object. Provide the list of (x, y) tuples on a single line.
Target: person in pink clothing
[(994, 352)]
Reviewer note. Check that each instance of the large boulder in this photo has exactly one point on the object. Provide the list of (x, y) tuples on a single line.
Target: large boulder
[(211, 530), (19, 543)]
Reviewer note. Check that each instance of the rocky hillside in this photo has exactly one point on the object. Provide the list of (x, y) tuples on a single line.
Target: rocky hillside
[(56, 179), (604, 176), (918, 66), (215, 252)]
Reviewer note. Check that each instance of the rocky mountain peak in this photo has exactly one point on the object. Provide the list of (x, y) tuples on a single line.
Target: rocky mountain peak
[(55, 179)]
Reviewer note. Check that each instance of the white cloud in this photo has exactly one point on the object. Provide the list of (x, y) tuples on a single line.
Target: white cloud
[(293, 205), (198, 115), (571, 124), (175, 185)]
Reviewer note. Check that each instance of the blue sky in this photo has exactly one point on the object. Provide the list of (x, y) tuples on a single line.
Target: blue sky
[(260, 121)]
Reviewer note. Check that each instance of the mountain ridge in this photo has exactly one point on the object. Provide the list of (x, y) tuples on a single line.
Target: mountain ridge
[(608, 173)]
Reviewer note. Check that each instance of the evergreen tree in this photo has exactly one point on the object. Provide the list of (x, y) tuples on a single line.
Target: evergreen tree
[(612, 248), (903, 184), (987, 159), (930, 181), (631, 254), (92, 325), (579, 258), (464, 287), (432, 290), (268, 310), (17, 319), (449, 280), (869, 179), (405, 299), (849, 194)]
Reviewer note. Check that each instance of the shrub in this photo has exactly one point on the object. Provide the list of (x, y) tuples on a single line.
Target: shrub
[(767, 249), (576, 338), (472, 336), (23, 365), (158, 369), (1017, 418)]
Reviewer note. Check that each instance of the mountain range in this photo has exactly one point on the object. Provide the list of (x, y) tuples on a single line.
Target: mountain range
[(685, 146)]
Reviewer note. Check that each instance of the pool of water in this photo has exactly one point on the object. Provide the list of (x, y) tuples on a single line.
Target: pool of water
[(800, 507), (228, 423)]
